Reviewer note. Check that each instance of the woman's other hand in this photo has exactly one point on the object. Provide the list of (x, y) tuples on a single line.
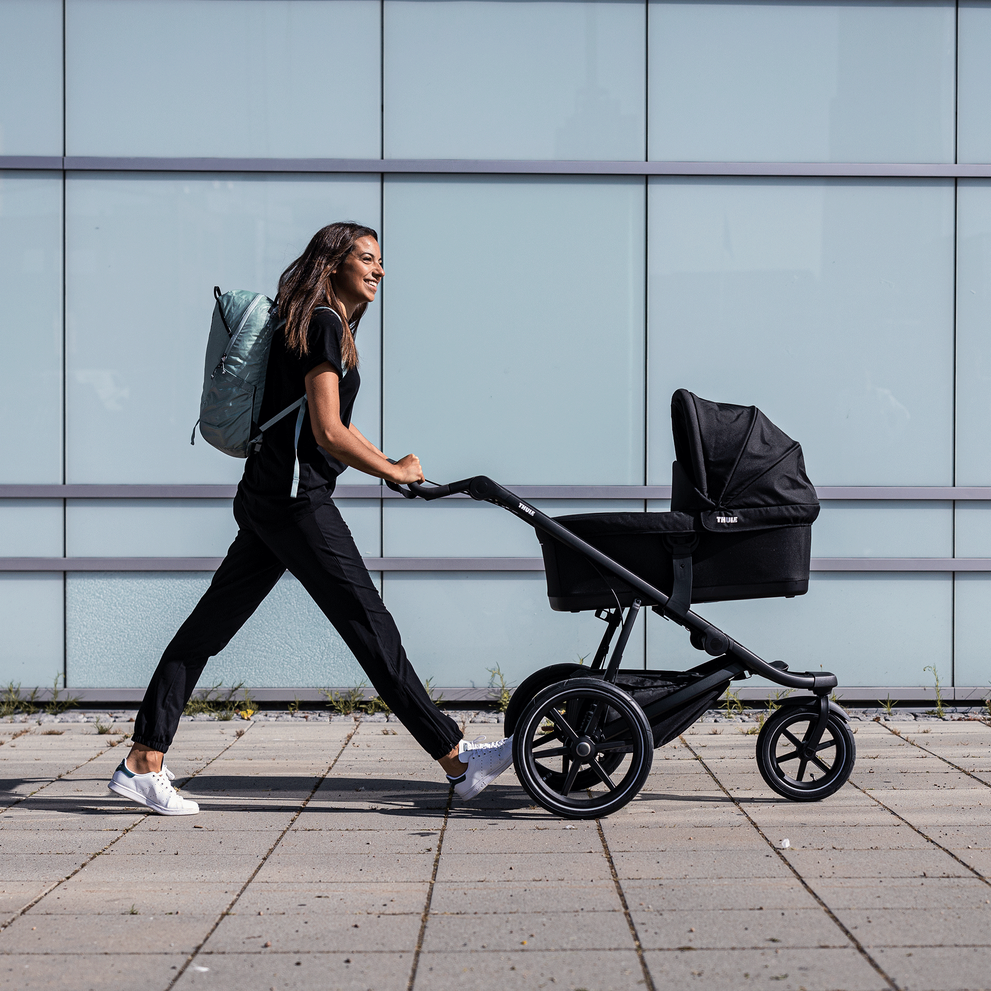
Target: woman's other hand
[(407, 470)]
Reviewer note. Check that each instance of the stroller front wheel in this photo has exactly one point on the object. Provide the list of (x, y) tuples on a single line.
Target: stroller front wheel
[(794, 768), (583, 748)]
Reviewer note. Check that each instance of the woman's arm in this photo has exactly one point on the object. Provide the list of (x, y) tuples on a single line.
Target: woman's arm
[(365, 440), (349, 447)]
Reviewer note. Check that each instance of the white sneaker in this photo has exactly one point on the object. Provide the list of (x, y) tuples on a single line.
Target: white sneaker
[(153, 790), (479, 741), (167, 772), (485, 764)]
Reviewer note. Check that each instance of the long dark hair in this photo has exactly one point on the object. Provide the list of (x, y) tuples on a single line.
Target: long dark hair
[(307, 284)]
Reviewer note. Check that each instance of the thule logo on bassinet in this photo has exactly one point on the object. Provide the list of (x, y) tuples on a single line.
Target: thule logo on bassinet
[(727, 519)]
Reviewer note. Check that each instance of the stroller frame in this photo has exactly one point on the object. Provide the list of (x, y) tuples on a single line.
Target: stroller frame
[(533, 703)]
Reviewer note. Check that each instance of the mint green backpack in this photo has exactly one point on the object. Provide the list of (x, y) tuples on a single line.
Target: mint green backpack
[(234, 375)]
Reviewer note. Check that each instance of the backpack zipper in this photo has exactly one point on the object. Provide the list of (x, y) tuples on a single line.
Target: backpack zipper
[(230, 344)]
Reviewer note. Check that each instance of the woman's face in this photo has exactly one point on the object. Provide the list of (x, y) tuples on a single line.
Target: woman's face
[(357, 279)]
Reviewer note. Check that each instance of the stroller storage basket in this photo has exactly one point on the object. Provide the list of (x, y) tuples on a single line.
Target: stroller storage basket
[(747, 564)]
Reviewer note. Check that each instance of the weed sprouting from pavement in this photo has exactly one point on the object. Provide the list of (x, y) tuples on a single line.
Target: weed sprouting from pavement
[(939, 710)]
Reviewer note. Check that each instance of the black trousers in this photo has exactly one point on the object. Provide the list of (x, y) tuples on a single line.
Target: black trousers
[(320, 551)]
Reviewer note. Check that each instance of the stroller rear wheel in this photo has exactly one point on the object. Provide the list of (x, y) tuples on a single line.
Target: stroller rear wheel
[(794, 768), (583, 748)]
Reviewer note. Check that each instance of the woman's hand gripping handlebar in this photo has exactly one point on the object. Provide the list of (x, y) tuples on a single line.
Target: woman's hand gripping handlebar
[(426, 489)]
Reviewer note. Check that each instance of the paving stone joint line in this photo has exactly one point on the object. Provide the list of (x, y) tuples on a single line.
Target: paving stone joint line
[(901, 736), (791, 867)]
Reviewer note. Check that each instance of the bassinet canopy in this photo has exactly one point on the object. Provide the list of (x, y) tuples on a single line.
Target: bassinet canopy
[(736, 470)]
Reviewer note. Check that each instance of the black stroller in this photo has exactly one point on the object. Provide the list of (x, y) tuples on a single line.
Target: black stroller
[(740, 524)]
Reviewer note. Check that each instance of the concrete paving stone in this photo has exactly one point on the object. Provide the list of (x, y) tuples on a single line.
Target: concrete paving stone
[(483, 866), (757, 863), (89, 972), (831, 969), (969, 926), (557, 839), (330, 842), (528, 970), (39, 867), (367, 868), (536, 931), (714, 929), (626, 837), (337, 931), (948, 968), (78, 897), (767, 894), (75, 934), (298, 971), (903, 893), (928, 819), (335, 818), (661, 814), (790, 813), (505, 897), (905, 800), (72, 842), (815, 864), (221, 820), (193, 842), (980, 860), (138, 868), (955, 837), (396, 897), (894, 837)]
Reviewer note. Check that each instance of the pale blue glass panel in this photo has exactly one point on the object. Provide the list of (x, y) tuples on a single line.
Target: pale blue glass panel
[(514, 329), (30, 77), (181, 527), (456, 626), (31, 528), (490, 79), (239, 78), (973, 433), (148, 527), (31, 327), (974, 81), (31, 649), (827, 304), (463, 528), (797, 81), (118, 625), (144, 254), (868, 629), (973, 529), (972, 606), (883, 529)]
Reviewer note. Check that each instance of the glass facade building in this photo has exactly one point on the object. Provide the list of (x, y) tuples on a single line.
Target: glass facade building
[(584, 205)]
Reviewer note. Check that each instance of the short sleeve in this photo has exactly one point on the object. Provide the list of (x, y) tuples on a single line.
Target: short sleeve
[(323, 340)]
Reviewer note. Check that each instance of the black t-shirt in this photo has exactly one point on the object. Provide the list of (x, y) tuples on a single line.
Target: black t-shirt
[(265, 489)]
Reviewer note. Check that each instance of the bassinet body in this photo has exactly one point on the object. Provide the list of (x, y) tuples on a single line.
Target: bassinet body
[(739, 488)]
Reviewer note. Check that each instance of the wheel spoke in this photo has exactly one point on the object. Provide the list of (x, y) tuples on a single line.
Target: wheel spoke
[(802, 765), (556, 752), (569, 781), (619, 746), (603, 777), (797, 743), (827, 745), (822, 767), (562, 724), (784, 757), (546, 741)]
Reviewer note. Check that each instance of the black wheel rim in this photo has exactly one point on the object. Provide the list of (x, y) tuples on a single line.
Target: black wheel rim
[(798, 760), (567, 726)]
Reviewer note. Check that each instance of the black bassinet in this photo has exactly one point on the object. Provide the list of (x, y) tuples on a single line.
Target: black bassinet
[(742, 507)]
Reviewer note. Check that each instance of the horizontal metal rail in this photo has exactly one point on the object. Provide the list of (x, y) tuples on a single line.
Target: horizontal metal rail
[(463, 564), (465, 166), (840, 493)]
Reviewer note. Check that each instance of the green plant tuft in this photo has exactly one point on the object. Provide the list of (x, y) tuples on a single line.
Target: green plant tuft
[(500, 690), (225, 705), (60, 700), (939, 711), (733, 705)]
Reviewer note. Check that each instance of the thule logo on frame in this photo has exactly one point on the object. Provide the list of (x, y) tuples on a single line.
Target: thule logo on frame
[(727, 519), (526, 509)]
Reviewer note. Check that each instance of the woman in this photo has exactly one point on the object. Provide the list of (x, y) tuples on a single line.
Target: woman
[(322, 297)]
